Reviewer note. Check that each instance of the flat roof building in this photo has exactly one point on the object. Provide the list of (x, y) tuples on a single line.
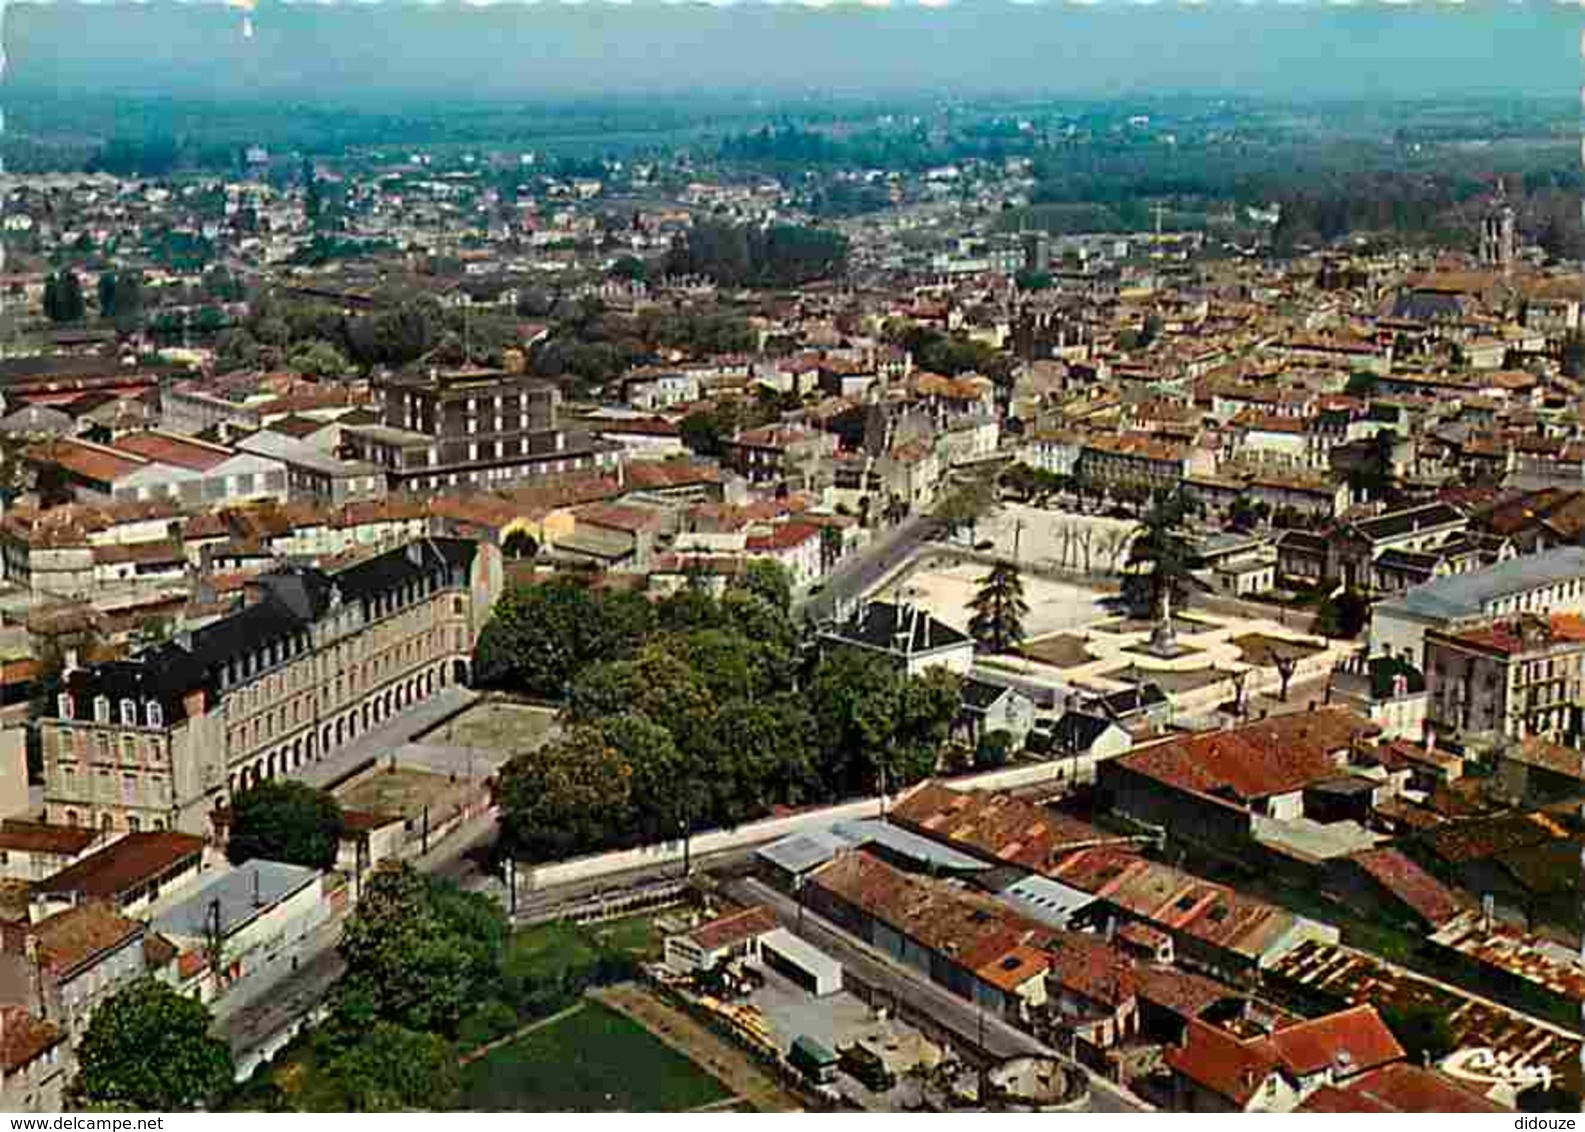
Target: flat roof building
[(1550, 582)]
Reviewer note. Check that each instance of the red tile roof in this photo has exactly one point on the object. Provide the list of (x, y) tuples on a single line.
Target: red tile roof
[(70, 938), (191, 963), (23, 1037), (1512, 636), (1399, 1088), (784, 536), (1013, 966), (39, 837), (1349, 1041), (1184, 993), (657, 474), (997, 827), (976, 932), (24, 671), (1222, 1063), (176, 451), (1429, 898), (87, 461), (1093, 969), (728, 931), (119, 868), (1276, 756)]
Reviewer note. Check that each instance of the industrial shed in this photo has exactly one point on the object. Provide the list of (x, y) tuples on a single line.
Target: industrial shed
[(792, 958)]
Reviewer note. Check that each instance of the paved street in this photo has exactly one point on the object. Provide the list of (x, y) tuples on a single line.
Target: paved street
[(963, 1018), (860, 574), (388, 736)]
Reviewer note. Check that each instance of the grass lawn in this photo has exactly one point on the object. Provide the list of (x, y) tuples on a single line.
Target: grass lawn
[(592, 1061), (636, 935), (546, 950)]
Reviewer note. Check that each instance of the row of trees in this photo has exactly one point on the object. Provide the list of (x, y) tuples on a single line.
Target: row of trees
[(123, 301), (593, 345), (739, 255), (589, 344), (694, 712)]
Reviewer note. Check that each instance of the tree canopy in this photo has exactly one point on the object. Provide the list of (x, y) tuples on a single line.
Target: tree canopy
[(392, 1069), (418, 949), (1161, 546), (708, 717), (148, 1048), (736, 255), (285, 820), (999, 609), (539, 637)]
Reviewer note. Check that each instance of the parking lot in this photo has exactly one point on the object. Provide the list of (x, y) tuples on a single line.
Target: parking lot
[(838, 1020)]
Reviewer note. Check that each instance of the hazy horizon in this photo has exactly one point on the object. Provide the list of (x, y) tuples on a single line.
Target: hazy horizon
[(365, 51)]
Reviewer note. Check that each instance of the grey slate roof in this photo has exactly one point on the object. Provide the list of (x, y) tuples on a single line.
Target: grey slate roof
[(1395, 524), (1467, 595), (241, 900), (918, 850), (879, 624), (797, 853), (294, 598)]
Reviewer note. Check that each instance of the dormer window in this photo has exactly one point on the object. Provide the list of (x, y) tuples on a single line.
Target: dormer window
[(156, 716), (101, 709), (64, 705), (129, 713)]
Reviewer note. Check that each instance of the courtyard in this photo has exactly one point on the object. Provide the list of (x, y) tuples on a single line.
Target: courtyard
[(496, 724)]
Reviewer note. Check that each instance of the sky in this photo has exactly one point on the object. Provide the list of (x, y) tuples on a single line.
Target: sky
[(373, 51)]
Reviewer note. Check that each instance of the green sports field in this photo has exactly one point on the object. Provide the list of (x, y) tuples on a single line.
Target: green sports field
[(592, 1061)]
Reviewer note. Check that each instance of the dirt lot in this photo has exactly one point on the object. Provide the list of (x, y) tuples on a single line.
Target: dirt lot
[(402, 791), (728, 1064), (497, 725), (1065, 650), (1262, 651)]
